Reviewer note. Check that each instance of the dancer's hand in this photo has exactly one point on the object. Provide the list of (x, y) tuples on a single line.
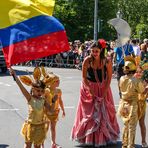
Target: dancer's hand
[(12, 73), (91, 92), (146, 90), (63, 114)]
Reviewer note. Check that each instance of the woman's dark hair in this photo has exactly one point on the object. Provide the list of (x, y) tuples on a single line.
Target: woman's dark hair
[(134, 41), (97, 44)]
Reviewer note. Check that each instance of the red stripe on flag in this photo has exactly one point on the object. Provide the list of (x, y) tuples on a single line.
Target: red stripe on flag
[(35, 48)]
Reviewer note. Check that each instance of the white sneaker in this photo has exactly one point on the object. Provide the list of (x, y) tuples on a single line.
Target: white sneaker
[(144, 145)]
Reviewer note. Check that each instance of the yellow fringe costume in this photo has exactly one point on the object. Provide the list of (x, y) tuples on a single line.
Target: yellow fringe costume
[(52, 98), (141, 105), (142, 98), (34, 129)]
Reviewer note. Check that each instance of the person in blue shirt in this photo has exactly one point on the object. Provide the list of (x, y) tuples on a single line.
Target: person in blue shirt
[(118, 58)]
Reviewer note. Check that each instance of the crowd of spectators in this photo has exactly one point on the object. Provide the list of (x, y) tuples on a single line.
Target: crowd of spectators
[(78, 51)]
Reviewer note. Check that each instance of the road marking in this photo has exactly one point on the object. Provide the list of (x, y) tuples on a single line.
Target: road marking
[(7, 84), (69, 107), (116, 105), (1, 83), (7, 109), (69, 77)]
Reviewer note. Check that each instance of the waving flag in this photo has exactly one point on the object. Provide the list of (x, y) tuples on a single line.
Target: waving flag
[(28, 31)]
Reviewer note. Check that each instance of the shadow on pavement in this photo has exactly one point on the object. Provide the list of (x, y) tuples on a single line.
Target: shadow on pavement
[(18, 72), (4, 145), (118, 145)]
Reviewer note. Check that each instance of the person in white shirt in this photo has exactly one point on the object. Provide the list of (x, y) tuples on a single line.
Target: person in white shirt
[(136, 48)]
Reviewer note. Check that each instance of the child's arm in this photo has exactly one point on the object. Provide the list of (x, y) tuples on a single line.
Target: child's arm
[(146, 91), (22, 88), (61, 104)]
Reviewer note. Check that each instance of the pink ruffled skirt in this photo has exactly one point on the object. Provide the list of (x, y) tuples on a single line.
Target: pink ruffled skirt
[(95, 121)]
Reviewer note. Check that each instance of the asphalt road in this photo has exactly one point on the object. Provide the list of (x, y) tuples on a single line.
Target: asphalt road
[(13, 109)]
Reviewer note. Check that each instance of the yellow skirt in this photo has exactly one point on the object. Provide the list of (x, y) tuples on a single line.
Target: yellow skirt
[(141, 105), (33, 133), (52, 116), (141, 108)]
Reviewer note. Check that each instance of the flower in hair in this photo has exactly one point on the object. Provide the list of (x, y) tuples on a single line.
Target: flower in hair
[(102, 42)]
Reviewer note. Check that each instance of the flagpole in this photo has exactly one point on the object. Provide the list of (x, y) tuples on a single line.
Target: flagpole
[(96, 20)]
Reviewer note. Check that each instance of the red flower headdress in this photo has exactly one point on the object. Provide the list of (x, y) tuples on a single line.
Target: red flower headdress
[(102, 42)]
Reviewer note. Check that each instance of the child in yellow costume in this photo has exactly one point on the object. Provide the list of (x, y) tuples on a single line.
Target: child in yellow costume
[(140, 73), (53, 97), (130, 88), (34, 128)]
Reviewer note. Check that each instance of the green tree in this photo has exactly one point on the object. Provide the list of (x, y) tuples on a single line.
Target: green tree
[(141, 31), (136, 14), (107, 11), (78, 17)]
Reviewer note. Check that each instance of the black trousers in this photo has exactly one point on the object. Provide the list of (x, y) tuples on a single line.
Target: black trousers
[(119, 71)]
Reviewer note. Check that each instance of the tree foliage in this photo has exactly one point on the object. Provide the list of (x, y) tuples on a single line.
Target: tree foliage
[(78, 17), (135, 12)]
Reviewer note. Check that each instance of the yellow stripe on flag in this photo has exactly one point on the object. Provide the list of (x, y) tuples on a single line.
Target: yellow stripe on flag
[(15, 11)]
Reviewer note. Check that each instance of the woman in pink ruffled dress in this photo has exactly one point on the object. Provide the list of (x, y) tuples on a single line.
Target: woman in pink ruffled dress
[(95, 122)]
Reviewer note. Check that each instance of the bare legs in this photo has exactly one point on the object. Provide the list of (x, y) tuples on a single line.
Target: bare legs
[(29, 145), (143, 128), (53, 132)]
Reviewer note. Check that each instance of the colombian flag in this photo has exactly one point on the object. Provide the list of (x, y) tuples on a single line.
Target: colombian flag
[(29, 31)]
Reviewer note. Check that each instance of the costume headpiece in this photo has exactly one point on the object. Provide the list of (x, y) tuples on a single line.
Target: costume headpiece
[(129, 63), (40, 74), (29, 80), (50, 78), (129, 58), (144, 66)]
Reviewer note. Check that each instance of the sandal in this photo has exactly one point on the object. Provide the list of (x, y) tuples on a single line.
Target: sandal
[(55, 146)]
